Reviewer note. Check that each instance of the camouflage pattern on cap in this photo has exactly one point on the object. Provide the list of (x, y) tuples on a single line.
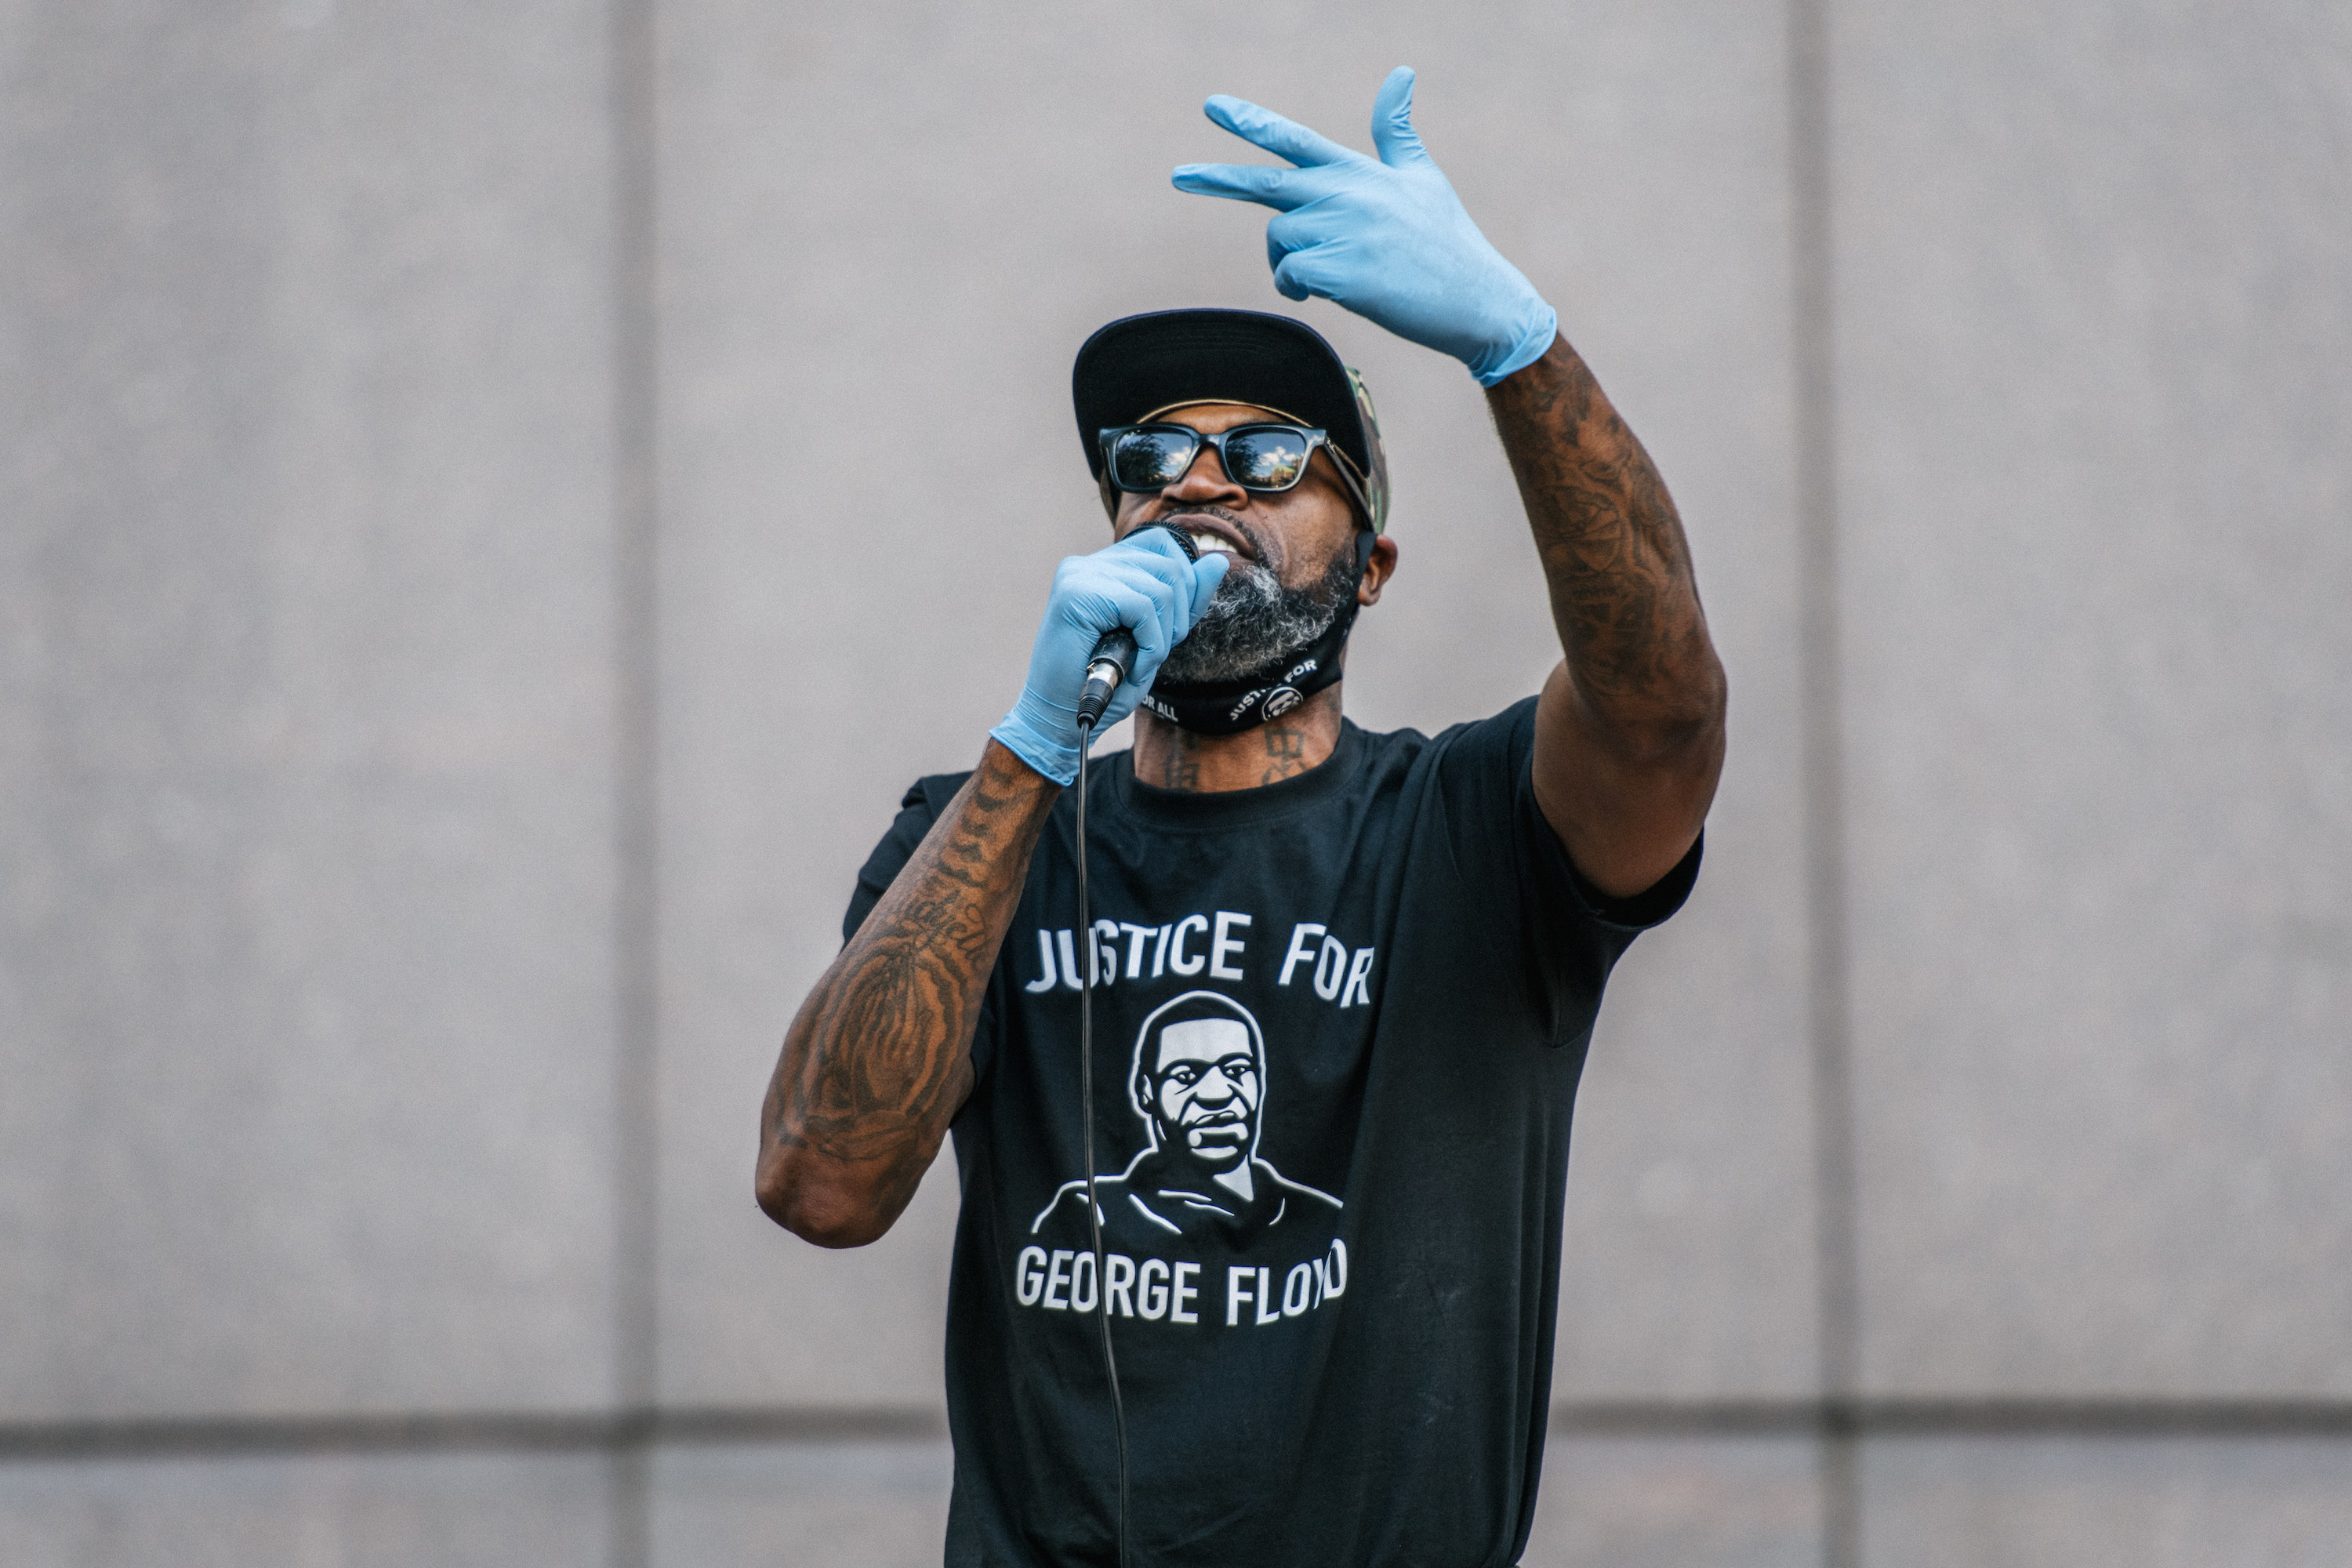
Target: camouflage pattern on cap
[(1376, 483)]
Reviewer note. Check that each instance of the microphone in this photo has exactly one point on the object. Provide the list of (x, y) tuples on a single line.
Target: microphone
[(1112, 663), (1107, 668)]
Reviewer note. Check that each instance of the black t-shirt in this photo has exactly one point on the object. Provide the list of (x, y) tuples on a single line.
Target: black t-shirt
[(1337, 1025)]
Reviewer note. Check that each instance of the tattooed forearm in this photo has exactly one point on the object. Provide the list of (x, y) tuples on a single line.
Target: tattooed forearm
[(1629, 731), (878, 1060), (1614, 557)]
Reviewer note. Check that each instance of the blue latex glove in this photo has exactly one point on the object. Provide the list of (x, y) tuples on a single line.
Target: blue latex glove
[(1142, 583), (1387, 239)]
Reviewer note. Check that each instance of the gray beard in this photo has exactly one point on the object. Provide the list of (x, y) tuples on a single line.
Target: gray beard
[(1253, 622)]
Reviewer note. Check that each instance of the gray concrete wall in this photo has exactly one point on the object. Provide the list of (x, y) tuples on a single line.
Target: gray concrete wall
[(1962, 1178)]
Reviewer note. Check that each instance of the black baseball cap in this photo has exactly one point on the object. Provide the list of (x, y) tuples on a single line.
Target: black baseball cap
[(1140, 365)]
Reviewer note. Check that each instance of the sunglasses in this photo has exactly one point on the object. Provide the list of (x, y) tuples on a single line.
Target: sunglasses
[(1266, 458)]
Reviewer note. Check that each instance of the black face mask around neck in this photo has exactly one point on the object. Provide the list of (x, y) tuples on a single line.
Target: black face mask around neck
[(1227, 708)]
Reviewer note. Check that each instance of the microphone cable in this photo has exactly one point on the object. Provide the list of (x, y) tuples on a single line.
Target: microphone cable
[(1109, 667), (1087, 1120)]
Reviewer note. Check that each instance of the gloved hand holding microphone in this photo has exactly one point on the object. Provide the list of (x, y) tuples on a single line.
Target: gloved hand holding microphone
[(1148, 582), (1385, 238)]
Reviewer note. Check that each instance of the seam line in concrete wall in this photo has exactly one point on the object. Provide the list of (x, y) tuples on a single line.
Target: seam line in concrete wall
[(1957, 1417), (623, 1431), (637, 742), (637, 846), (1814, 340), (429, 1432)]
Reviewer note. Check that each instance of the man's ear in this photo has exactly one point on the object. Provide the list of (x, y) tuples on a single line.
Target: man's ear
[(1378, 570)]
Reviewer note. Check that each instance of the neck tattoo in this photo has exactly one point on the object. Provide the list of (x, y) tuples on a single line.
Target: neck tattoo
[(1179, 759)]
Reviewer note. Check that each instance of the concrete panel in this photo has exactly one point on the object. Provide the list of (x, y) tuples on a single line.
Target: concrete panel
[(846, 1505), (906, 220), (1692, 1503), (1677, 1502), (2094, 299), (436, 1512), (1689, 1265), (2145, 1503), (305, 886)]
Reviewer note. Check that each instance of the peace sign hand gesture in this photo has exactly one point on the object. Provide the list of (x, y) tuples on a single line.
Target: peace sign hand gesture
[(1387, 238)]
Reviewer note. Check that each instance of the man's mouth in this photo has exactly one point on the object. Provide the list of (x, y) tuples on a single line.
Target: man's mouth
[(1214, 533)]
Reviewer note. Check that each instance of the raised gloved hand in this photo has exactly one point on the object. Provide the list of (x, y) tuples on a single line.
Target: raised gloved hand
[(1387, 239), (1143, 583)]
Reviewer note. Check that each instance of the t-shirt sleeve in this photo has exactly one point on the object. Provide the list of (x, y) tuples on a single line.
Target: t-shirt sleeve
[(917, 811), (920, 807), (1566, 933)]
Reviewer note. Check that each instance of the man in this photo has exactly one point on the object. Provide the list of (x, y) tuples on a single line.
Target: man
[(1197, 1084), (1423, 926)]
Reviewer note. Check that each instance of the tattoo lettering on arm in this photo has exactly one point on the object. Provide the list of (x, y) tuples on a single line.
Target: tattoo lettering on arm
[(879, 1058)]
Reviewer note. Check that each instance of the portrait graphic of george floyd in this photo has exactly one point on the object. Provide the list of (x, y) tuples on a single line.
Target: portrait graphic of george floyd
[(1198, 1085)]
